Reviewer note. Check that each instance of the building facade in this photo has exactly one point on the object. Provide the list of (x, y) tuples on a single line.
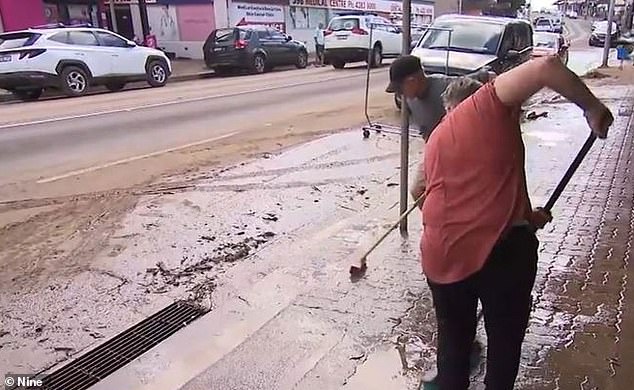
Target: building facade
[(181, 26)]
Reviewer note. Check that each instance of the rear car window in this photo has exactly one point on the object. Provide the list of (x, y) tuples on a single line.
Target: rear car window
[(224, 35), (543, 22), (16, 40), (344, 24)]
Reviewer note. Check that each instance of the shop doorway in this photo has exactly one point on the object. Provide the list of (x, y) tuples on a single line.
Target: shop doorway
[(123, 16)]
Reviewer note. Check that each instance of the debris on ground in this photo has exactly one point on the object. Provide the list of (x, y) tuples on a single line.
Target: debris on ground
[(532, 115), (270, 217), (192, 273)]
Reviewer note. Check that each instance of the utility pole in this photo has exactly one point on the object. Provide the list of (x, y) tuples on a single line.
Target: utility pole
[(113, 16), (460, 7), (145, 25), (407, 33), (608, 35)]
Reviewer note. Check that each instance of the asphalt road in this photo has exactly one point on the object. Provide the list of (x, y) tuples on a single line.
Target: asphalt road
[(51, 140), (44, 145)]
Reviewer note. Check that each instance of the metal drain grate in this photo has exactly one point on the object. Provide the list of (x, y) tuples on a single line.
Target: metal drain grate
[(102, 361)]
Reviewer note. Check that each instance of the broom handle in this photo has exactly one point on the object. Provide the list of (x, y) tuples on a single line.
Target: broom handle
[(387, 233), (571, 171)]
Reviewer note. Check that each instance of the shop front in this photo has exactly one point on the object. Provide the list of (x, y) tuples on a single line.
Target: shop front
[(303, 17), (179, 27)]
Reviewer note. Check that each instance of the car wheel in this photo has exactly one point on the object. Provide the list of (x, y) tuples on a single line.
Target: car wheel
[(302, 60), (157, 73), (376, 56), (338, 64), (115, 87), (75, 81), (28, 95), (259, 64)]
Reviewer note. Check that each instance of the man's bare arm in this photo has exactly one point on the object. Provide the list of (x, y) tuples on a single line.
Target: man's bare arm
[(418, 186), (517, 85)]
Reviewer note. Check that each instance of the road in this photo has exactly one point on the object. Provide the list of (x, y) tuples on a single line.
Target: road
[(53, 142), (70, 146)]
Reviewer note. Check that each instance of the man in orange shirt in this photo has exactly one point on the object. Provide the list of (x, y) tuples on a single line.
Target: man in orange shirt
[(479, 238)]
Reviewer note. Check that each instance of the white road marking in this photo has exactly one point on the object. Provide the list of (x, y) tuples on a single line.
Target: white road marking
[(130, 159), (177, 101)]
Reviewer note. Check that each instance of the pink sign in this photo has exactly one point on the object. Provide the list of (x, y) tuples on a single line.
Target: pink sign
[(19, 15), (195, 21)]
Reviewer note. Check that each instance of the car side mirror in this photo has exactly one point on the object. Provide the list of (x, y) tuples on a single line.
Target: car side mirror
[(289, 38), (512, 54), (130, 44)]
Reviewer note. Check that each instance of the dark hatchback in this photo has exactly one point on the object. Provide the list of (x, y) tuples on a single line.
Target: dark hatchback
[(497, 43), (253, 48)]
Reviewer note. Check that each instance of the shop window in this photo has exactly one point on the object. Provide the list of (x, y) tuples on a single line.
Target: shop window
[(305, 18)]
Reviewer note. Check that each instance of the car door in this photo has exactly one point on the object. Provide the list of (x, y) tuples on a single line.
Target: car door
[(270, 47), (393, 37), (84, 47), (284, 47), (129, 60)]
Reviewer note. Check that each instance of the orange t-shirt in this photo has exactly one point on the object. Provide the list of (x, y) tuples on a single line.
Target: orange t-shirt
[(476, 186)]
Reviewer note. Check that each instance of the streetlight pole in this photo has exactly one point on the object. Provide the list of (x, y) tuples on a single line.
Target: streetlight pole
[(145, 25), (608, 35), (460, 7), (407, 30), (113, 16)]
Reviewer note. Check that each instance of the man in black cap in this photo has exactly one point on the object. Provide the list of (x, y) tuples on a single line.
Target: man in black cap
[(421, 92)]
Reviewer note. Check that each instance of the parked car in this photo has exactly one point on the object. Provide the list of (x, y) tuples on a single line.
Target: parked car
[(599, 33), (417, 34), (545, 44), (347, 39), (254, 48), (545, 25), (477, 42), (558, 24), (72, 59)]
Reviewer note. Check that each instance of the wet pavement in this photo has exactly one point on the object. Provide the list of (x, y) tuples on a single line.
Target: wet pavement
[(267, 246)]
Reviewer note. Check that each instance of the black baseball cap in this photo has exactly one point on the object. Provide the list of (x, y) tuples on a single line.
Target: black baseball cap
[(402, 68)]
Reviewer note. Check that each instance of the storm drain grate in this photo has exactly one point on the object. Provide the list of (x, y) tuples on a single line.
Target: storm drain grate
[(102, 361)]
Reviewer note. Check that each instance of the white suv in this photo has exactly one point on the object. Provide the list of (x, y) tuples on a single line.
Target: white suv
[(74, 58), (347, 39)]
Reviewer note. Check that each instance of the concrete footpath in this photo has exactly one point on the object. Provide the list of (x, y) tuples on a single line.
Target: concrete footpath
[(287, 317)]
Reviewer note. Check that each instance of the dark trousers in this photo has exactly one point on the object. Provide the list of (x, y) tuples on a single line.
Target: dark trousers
[(319, 52), (504, 287)]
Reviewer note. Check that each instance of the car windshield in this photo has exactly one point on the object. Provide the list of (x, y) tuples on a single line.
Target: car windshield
[(344, 24), (15, 40), (545, 40), (466, 36)]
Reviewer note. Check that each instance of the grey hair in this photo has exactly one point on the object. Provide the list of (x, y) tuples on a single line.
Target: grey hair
[(458, 90)]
